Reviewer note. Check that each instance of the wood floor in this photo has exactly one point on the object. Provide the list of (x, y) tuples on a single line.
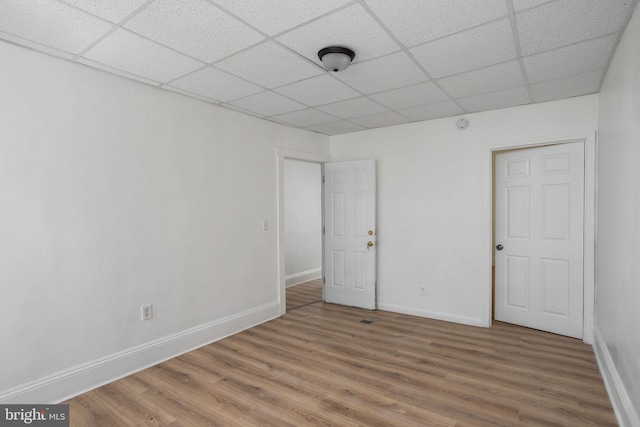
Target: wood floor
[(304, 294), (320, 365)]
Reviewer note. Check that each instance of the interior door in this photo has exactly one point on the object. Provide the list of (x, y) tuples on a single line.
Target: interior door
[(350, 237), (539, 215)]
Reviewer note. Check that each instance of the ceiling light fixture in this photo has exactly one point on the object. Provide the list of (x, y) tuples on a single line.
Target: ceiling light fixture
[(336, 58)]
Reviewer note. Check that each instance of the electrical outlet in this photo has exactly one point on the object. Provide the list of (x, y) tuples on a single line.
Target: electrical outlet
[(423, 290), (147, 312)]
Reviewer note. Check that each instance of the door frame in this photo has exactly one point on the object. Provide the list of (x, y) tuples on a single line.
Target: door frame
[(281, 155), (590, 171)]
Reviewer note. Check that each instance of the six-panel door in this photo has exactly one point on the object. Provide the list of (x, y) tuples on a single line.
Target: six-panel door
[(350, 241), (539, 211)]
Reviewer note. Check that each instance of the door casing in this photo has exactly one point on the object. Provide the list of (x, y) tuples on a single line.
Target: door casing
[(589, 140)]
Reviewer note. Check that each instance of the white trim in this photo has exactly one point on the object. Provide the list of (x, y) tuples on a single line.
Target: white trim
[(590, 209), (432, 315), (282, 154), (589, 138), (68, 383), (302, 155), (620, 399), (303, 276)]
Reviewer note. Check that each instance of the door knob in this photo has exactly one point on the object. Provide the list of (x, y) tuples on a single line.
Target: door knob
[(369, 243), (499, 247)]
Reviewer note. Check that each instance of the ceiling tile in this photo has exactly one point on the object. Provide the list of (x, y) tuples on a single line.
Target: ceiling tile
[(131, 53), (366, 38), (389, 72), (468, 50), (320, 90), (433, 111), (495, 100), (566, 87), (112, 10), (417, 21), (269, 65), (490, 79), (567, 61), (194, 27), (569, 21), (308, 117), (353, 108), (216, 84), (281, 15), (267, 104), (519, 5), (335, 128), (51, 23), (389, 118), (411, 96)]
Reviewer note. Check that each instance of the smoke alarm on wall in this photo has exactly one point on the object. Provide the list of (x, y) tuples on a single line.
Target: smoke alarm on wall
[(462, 124)]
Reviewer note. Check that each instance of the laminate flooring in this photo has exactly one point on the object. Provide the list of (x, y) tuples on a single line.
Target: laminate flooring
[(304, 294), (320, 365)]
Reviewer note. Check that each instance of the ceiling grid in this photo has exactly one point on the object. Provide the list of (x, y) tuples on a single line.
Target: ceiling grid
[(415, 60)]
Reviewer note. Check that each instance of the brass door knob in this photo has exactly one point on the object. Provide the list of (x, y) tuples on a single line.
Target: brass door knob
[(370, 243)]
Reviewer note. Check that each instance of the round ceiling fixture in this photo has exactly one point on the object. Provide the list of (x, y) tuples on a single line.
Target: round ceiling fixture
[(336, 58), (462, 124)]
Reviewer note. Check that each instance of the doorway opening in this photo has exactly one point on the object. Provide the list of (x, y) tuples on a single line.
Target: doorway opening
[(303, 232), (283, 156)]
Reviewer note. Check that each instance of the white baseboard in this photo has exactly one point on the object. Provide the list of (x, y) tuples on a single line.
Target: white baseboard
[(433, 315), (303, 276), (66, 384), (622, 404)]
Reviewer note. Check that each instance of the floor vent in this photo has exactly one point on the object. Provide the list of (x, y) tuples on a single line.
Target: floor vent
[(368, 320)]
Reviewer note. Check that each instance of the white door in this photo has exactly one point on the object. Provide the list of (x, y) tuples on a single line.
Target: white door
[(349, 242), (539, 197)]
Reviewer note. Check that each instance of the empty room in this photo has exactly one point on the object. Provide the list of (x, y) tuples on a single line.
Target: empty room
[(339, 212)]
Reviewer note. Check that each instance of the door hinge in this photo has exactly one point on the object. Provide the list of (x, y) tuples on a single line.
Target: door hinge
[(323, 229)]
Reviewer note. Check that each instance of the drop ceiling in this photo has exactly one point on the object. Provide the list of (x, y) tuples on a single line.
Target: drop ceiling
[(415, 59)]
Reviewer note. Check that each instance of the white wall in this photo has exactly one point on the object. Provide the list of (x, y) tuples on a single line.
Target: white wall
[(303, 221), (618, 253), (432, 228), (115, 194)]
